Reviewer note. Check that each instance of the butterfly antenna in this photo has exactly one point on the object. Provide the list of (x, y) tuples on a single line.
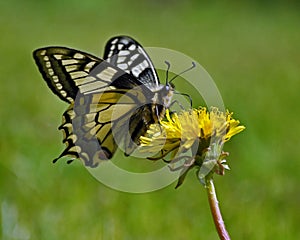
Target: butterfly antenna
[(186, 70), (167, 72)]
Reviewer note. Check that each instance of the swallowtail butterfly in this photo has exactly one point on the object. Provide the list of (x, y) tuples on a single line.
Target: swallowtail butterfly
[(111, 100)]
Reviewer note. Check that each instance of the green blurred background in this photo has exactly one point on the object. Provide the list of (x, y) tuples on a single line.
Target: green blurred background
[(252, 51)]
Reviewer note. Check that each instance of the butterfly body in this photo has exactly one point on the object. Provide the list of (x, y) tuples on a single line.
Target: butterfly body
[(111, 101)]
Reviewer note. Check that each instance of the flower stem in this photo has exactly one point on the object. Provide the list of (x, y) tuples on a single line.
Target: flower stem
[(215, 210)]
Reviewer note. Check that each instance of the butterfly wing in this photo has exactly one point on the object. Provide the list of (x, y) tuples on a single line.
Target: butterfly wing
[(128, 55), (67, 71), (64, 69), (97, 124), (71, 73)]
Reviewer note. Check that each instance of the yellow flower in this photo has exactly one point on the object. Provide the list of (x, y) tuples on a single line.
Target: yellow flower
[(200, 132)]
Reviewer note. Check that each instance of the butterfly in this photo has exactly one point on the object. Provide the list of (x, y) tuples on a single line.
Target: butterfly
[(112, 102)]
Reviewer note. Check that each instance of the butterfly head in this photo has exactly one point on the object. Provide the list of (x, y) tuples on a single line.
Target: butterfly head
[(166, 93)]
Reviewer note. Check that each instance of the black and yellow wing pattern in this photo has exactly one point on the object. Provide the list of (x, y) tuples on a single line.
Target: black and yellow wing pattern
[(111, 101)]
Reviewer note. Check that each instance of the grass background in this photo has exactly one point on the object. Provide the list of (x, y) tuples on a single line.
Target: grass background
[(251, 50)]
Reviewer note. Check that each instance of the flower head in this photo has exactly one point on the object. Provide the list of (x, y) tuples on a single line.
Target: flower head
[(192, 138)]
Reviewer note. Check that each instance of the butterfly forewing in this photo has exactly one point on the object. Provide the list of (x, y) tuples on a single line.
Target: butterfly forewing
[(128, 55), (65, 69)]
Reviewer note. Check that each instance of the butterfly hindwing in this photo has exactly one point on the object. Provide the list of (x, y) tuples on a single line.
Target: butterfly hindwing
[(94, 126)]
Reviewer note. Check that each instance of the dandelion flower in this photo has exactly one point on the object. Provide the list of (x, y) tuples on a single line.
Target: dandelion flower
[(192, 138)]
